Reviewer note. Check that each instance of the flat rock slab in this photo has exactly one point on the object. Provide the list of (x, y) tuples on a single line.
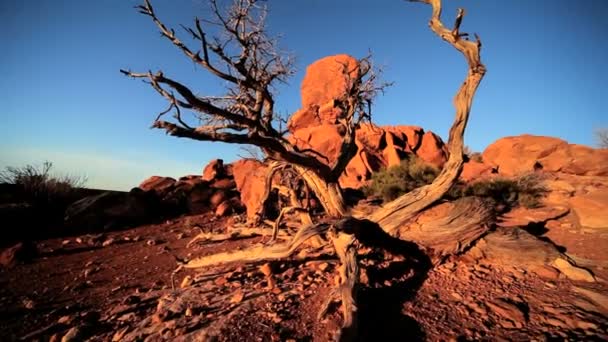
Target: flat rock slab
[(591, 209)]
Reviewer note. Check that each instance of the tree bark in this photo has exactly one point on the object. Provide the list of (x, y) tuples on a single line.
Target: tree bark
[(328, 193)]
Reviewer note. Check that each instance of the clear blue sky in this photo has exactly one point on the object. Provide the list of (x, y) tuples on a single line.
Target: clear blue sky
[(63, 99)]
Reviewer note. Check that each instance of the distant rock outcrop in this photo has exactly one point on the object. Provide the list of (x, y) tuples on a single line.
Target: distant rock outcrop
[(195, 194), (525, 153)]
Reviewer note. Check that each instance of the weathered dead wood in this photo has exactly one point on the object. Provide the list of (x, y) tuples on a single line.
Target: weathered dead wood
[(393, 214), (259, 253), (344, 245), (451, 228)]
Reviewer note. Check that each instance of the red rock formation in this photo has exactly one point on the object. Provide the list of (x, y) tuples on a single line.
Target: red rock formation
[(325, 81), (520, 154), (315, 127), (473, 170), (158, 184), (213, 170), (249, 176)]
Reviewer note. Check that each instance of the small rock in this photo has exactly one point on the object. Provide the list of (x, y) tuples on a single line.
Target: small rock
[(151, 242), (65, 242), (129, 300), (108, 242), (180, 236), (20, 252), (508, 311), (237, 297), (120, 334), (323, 266), (188, 312), (79, 240), (456, 296), (73, 335), (220, 281), (64, 319), (586, 325), (28, 303), (573, 272), (266, 269), (89, 271), (546, 272), (187, 281)]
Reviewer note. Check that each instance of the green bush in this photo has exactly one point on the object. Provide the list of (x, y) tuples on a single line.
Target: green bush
[(525, 190), (394, 181)]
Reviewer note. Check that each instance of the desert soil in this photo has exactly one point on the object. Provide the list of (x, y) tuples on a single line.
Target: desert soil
[(112, 286)]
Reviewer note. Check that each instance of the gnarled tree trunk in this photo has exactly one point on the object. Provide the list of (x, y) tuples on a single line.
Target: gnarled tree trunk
[(395, 213), (328, 193)]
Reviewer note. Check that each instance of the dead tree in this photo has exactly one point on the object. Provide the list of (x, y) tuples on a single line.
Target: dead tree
[(392, 216), (247, 59), (243, 56)]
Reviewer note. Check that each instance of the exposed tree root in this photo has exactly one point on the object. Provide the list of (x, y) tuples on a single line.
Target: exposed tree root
[(236, 233), (344, 245), (302, 211), (260, 253)]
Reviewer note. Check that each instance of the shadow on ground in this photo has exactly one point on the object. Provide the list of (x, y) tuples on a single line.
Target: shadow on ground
[(380, 312)]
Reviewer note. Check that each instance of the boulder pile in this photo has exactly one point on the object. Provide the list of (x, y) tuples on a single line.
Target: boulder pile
[(157, 198), (316, 126), (215, 190)]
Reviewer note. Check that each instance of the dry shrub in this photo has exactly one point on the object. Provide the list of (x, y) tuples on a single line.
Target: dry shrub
[(38, 186), (394, 181), (525, 190), (470, 155)]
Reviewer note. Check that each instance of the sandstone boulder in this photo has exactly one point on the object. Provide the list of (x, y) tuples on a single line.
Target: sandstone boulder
[(591, 209), (432, 149), (525, 153), (323, 139), (472, 170), (324, 82), (20, 252), (112, 209), (316, 127), (224, 209), (214, 170), (250, 175), (158, 184), (223, 184), (378, 148)]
